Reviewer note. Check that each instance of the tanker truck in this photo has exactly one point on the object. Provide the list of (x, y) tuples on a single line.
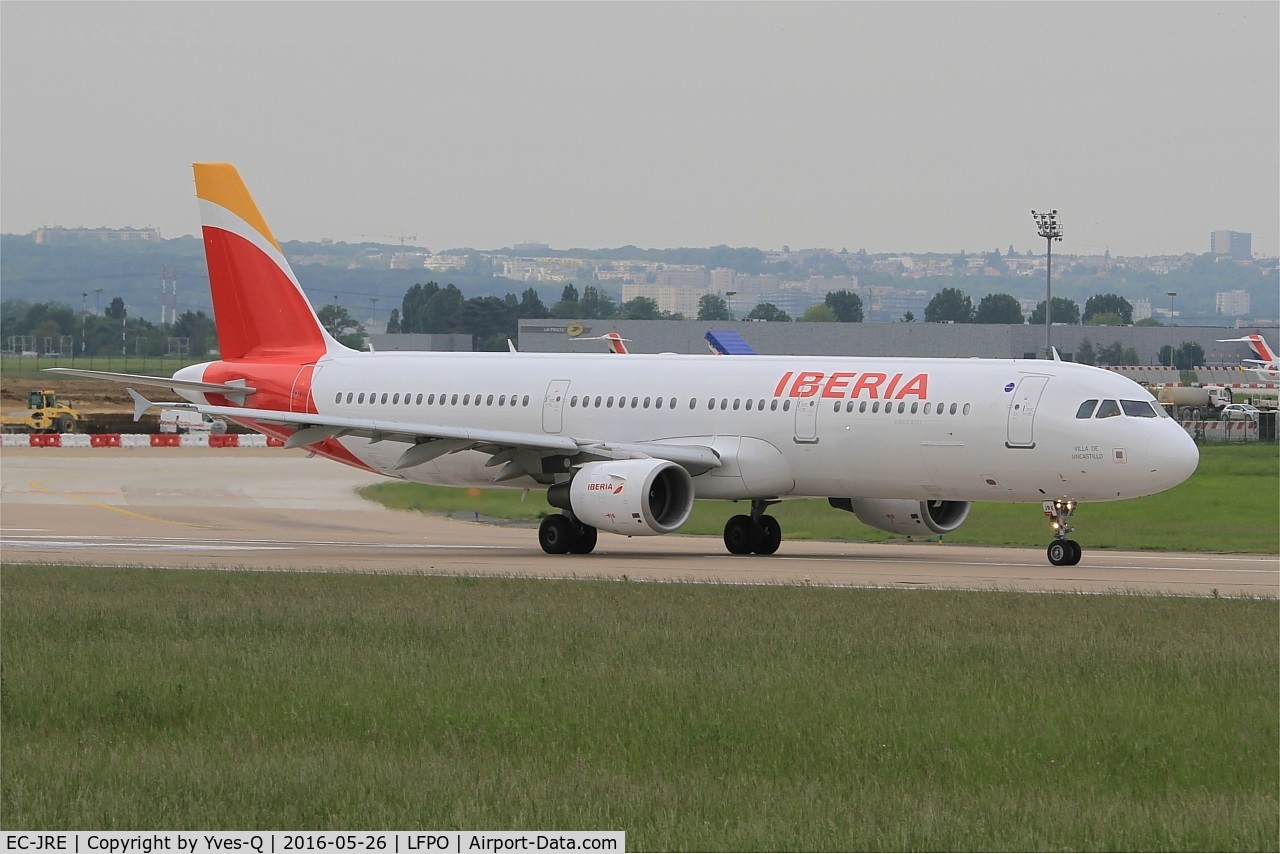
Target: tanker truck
[(1189, 403)]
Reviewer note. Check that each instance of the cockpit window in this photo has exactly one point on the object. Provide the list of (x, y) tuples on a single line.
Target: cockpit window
[(1108, 409), (1137, 409), (1086, 409)]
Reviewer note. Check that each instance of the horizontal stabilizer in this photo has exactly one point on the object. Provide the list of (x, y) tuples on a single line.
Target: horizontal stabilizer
[(236, 390)]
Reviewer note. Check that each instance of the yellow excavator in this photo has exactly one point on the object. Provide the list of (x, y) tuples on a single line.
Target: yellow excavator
[(43, 415)]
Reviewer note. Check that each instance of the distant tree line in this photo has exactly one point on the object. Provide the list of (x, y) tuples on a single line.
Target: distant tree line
[(52, 328)]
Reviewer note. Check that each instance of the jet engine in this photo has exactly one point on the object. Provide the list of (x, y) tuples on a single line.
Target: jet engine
[(901, 516), (631, 497)]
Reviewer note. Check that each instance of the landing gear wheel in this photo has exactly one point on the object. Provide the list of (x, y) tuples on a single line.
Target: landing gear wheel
[(1064, 552), (556, 534), (770, 536), (585, 541), (739, 535), (1076, 552)]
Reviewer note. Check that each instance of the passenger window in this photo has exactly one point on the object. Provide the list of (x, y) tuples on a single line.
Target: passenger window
[(526, 400), (1086, 409), (927, 406), (902, 407), (453, 401), (1108, 409), (750, 403), (338, 398), (875, 407), (724, 403), (396, 399), (466, 400), (488, 401), (736, 402), (635, 403), (646, 403), (671, 404), (419, 400), (609, 403), (862, 407), (786, 406), (348, 397), (711, 404), (773, 405), (966, 409), (848, 407), (1137, 409), (953, 409), (384, 397), (914, 407), (692, 403), (598, 399), (361, 398)]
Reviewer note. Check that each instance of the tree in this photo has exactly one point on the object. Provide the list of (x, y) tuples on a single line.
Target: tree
[(531, 306), (342, 326), (198, 329), (909, 317), (949, 304), (640, 308), (1148, 321), (569, 294), (393, 323), (998, 308), (488, 319), (1107, 304), (1106, 318), (845, 305), (1117, 354), (712, 307), (769, 312), (819, 313), (595, 304), (116, 311), (1085, 354), (1064, 311)]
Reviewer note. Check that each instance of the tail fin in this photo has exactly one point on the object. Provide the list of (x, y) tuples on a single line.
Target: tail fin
[(1259, 346), (258, 305)]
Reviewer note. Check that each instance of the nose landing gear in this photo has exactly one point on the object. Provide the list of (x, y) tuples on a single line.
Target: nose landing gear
[(1063, 551)]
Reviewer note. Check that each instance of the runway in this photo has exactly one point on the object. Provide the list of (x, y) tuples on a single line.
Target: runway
[(272, 509)]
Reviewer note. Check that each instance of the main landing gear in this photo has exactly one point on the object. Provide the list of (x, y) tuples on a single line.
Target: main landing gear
[(559, 535), (1062, 551), (754, 534)]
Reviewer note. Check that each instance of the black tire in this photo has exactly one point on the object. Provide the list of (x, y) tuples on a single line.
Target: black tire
[(64, 424), (770, 536), (740, 535), (585, 542), (1076, 552), (1059, 553), (556, 534)]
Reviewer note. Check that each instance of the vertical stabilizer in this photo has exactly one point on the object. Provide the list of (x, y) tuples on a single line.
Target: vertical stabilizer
[(258, 305)]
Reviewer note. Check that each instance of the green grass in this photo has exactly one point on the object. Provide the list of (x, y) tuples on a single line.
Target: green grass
[(1230, 504), (692, 717)]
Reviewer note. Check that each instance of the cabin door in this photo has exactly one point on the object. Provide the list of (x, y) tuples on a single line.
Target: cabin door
[(553, 406), (1022, 411)]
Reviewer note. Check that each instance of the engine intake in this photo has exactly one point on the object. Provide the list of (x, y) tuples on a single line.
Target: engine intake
[(631, 497), (903, 516)]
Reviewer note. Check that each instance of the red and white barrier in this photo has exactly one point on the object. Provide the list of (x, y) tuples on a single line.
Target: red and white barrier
[(137, 440), (1222, 431)]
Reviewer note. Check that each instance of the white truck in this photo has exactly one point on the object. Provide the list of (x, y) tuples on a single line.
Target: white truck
[(186, 421), (1191, 403)]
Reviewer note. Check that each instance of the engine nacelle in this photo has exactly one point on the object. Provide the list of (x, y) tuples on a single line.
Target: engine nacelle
[(901, 516), (633, 497)]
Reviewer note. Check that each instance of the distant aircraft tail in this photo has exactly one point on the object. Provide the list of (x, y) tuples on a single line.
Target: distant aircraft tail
[(259, 308), (1266, 356)]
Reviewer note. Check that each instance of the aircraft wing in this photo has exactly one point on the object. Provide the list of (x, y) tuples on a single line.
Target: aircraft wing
[(428, 441)]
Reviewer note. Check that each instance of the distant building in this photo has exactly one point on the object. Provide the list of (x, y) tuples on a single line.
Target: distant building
[(1141, 309), (1232, 303), (57, 232), (1237, 244)]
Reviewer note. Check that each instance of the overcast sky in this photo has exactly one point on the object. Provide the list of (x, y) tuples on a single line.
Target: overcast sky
[(880, 126)]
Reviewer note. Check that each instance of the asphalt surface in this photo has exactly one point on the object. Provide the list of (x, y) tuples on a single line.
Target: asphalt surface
[(270, 509)]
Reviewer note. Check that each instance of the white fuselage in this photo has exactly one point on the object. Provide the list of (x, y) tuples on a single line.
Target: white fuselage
[(962, 429)]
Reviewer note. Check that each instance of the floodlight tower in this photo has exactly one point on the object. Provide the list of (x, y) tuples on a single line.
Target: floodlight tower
[(1050, 229)]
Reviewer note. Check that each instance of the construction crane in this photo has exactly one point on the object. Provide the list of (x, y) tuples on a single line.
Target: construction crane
[(402, 237)]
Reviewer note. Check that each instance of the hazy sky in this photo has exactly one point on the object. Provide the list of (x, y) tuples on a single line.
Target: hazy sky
[(884, 126)]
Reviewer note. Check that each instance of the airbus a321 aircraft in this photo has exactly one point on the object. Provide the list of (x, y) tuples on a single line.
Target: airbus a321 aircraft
[(625, 445)]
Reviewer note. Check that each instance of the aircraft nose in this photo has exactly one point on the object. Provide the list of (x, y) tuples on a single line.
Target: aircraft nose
[(1172, 455)]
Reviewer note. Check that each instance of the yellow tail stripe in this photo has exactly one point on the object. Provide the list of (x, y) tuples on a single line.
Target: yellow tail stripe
[(220, 183)]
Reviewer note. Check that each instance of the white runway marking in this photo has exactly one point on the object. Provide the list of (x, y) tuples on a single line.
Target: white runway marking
[(59, 541)]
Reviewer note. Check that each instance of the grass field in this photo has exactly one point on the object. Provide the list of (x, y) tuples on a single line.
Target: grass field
[(692, 717), (1230, 504)]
